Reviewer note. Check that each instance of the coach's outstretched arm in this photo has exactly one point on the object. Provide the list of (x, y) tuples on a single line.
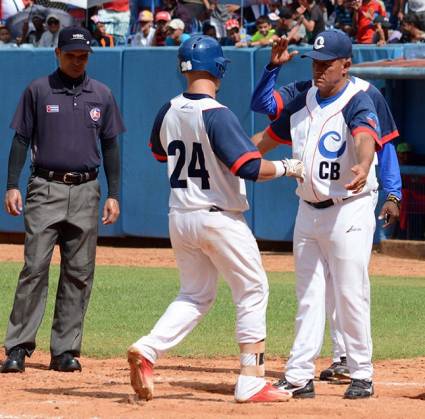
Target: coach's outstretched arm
[(365, 151)]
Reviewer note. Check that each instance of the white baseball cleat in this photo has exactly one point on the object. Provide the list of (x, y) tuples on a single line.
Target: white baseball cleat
[(268, 394), (141, 374)]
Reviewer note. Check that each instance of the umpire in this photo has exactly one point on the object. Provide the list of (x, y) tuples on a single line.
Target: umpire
[(61, 117)]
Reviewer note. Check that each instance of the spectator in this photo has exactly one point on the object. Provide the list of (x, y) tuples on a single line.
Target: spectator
[(144, 36), (415, 8), (265, 34), (209, 30), (100, 37), (116, 17), (33, 36), (311, 16), (410, 29), (49, 38), (175, 33), (218, 16), (161, 19), (344, 16), (6, 37), (290, 27), (179, 11), (385, 27), (233, 36), (365, 13), (196, 8)]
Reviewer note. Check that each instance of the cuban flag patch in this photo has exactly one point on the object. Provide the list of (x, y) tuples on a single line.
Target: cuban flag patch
[(52, 108), (95, 114)]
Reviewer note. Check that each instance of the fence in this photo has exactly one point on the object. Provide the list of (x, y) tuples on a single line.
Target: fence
[(142, 80)]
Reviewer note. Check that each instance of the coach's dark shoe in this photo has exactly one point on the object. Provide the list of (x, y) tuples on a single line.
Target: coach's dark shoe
[(304, 392), (341, 371), (359, 389), (15, 361), (329, 373), (65, 363)]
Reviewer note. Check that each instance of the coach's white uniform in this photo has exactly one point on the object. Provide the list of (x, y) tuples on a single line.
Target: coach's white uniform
[(334, 241), (205, 148)]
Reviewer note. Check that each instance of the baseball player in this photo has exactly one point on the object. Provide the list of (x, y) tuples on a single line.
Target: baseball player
[(333, 128), (266, 100), (207, 153)]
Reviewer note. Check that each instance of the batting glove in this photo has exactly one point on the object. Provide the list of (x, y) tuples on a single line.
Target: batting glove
[(294, 168)]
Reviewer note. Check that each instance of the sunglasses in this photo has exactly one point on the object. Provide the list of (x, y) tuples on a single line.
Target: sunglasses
[(53, 22)]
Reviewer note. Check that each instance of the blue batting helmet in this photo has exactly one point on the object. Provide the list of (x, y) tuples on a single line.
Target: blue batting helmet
[(202, 53)]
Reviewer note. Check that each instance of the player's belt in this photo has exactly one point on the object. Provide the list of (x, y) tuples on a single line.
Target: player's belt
[(69, 178), (324, 204), (215, 208)]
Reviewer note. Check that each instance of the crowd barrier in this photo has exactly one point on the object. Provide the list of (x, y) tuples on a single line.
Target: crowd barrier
[(142, 80)]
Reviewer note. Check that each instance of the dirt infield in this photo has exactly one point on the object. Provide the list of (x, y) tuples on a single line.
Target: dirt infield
[(194, 388)]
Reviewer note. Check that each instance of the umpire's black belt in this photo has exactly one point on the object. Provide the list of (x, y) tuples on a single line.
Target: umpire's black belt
[(323, 204), (69, 178)]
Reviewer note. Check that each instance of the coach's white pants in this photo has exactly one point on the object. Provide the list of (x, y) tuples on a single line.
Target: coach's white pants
[(333, 244), (338, 345), (206, 243)]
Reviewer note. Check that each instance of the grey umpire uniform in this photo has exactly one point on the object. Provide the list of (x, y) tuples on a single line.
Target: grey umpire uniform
[(63, 123)]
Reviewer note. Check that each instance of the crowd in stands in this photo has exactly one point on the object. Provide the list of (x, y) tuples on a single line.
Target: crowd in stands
[(170, 22)]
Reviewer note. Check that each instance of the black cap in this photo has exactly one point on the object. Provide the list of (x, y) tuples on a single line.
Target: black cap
[(74, 38)]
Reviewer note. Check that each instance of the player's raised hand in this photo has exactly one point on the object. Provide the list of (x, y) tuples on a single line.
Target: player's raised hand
[(359, 181), (280, 54), (13, 202)]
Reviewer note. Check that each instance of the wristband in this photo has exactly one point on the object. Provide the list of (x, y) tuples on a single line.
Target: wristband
[(394, 199), (280, 168)]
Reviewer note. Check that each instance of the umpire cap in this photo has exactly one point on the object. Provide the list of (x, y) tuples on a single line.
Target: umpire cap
[(74, 38)]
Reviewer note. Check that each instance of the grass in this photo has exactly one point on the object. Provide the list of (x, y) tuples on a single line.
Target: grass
[(127, 301)]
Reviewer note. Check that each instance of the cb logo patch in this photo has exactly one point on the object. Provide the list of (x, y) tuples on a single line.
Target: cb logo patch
[(331, 145)]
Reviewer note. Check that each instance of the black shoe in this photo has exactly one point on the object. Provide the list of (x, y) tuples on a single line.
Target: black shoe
[(342, 372), (359, 389), (304, 392), (15, 361), (65, 363), (329, 373)]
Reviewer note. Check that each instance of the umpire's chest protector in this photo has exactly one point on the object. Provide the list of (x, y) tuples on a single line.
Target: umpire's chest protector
[(322, 137)]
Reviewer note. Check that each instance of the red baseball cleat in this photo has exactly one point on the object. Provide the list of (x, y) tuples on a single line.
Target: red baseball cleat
[(141, 374), (268, 394)]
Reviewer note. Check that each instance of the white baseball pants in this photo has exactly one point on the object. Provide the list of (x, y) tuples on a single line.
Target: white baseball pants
[(206, 243), (333, 244)]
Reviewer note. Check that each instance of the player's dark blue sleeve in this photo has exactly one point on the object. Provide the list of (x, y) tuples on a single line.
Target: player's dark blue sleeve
[(155, 141), (360, 116), (280, 128), (231, 144), (263, 100), (388, 127), (389, 170)]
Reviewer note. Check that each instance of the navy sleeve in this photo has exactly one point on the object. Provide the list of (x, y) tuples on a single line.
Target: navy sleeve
[(289, 92), (155, 141), (228, 140), (23, 121), (360, 116), (112, 125), (280, 128), (263, 100), (386, 121), (389, 170)]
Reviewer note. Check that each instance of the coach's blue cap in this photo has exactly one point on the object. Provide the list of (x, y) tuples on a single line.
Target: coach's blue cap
[(330, 45)]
